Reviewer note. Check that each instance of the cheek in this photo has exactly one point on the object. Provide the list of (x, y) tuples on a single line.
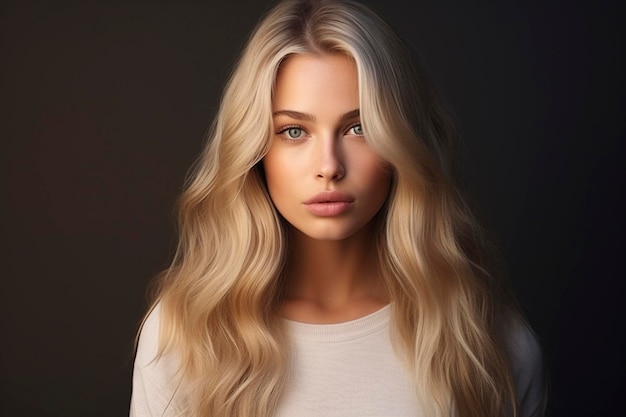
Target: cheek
[(277, 171), (375, 176), (381, 184)]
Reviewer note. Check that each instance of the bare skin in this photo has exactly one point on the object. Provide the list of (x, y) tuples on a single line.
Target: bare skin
[(331, 282), (319, 149)]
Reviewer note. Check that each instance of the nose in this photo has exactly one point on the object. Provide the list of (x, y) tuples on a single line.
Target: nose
[(331, 166)]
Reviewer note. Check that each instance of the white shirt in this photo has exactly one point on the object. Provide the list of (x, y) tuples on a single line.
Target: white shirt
[(346, 369)]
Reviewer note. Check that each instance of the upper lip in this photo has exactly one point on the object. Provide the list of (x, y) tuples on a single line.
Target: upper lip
[(330, 197)]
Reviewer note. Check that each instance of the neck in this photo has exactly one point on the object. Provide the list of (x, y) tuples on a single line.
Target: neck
[(332, 281)]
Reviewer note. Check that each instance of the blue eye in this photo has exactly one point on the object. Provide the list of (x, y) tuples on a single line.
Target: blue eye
[(294, 132), (356, 130)]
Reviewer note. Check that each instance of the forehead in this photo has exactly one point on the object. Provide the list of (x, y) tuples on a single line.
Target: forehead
[(307, 78)]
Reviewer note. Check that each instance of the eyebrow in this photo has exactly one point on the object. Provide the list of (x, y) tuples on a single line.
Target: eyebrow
[(309, 117)]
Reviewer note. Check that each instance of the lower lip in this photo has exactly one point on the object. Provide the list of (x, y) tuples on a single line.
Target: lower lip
[(334, 208)]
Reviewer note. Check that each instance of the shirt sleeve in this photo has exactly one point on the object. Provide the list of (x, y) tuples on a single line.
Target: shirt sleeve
[(528, 368), (154, 379)]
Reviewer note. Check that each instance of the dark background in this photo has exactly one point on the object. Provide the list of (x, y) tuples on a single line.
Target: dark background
[(104, 106)]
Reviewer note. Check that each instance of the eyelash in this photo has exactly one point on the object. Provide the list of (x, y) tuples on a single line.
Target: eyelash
[(355, 125), (283, 131)]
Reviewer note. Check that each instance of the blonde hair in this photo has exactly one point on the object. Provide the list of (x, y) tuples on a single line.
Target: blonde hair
[(220, 297)]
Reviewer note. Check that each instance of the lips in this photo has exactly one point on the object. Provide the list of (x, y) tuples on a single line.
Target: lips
[(330, 197), (329, 203)]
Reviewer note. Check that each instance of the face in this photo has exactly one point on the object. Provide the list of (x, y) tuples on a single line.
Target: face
[(321, 174)]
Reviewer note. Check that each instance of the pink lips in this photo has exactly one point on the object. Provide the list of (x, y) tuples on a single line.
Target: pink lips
[(329, 203)]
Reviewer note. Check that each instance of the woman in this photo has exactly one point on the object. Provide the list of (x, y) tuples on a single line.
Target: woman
[(327, 264)]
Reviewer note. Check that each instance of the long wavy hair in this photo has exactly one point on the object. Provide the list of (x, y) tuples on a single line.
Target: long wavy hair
[(221, 296)]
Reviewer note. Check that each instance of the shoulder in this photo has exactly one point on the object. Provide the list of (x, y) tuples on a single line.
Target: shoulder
[(527, 366), (148, 358), (155, 377), (147, 346)]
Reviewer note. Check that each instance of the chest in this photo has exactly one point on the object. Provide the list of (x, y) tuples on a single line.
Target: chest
[(358, 377)]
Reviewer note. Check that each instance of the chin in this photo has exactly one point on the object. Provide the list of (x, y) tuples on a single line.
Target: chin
[(334, 233)]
